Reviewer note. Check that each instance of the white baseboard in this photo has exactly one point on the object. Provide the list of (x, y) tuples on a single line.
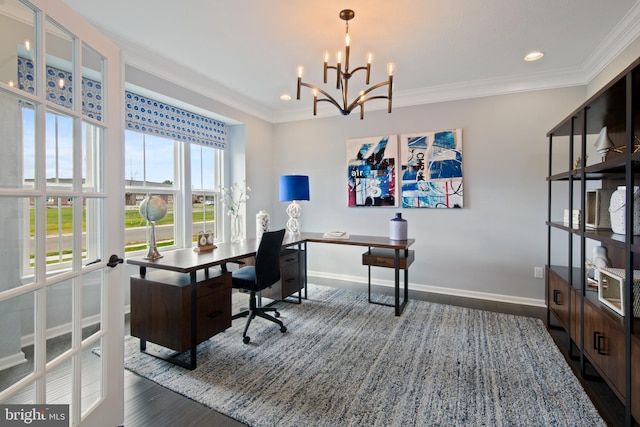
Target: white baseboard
[(12, 360), (435, 289)]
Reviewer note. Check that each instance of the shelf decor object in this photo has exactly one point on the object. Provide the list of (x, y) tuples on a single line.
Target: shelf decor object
[(597, 215), (603, 144), (611, 289), (294, 188), (342, 79), (153, 209), (617, 210)]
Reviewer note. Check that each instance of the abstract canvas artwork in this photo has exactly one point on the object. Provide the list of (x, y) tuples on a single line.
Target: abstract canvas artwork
[(431, 175), (371, 171)]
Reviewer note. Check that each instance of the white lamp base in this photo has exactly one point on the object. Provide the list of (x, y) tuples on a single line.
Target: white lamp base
[(294, 211)]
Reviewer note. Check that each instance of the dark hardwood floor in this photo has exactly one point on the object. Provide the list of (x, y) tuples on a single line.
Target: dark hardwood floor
[(148, 404)]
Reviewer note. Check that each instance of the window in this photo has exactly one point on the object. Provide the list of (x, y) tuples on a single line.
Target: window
[(154, 165), (204, 197), (151, 167)]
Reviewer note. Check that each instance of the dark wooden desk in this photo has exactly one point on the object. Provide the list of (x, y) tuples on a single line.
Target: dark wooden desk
[(190, 262), (399, 247)]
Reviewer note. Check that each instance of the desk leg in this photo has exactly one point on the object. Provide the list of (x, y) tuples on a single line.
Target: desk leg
[(396, 268), (369, 277), (194, 317), (304, 246), (396, 264)]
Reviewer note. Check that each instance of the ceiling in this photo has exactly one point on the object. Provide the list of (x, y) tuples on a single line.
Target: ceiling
[(246, 53)]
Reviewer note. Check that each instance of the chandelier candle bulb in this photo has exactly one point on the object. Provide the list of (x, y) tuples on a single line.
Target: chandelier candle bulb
[(326, 65), (315, 102), (300, 70)]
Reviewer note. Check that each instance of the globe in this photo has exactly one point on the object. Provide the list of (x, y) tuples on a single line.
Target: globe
[(153, 208)]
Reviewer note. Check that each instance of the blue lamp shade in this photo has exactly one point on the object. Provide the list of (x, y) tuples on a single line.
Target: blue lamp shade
[(294, 187)]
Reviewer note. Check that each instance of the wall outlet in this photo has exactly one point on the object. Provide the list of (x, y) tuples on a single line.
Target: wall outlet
[(538, 272)]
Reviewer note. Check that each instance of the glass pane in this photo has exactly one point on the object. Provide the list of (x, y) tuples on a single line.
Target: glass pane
[(59, 384), (138, 232), (165, 228), (92, 230), (17, 224), (59, 316), (59, 150), (16, 336), (202, 167), (91, 83), (91, 303), (17, 45), (159, 161), (135, 233), (134, 158), (17, 150), (59, 233), (92, 146), (59, 65), (91, 378), (203, 215)]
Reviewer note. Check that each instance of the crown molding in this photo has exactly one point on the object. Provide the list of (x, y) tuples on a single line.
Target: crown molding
[(613, 45), (164, 68)]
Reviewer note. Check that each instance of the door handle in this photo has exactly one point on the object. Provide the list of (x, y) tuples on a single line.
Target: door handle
[(114, 260)]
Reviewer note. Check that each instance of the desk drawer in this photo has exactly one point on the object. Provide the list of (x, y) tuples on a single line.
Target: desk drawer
[(214, 312), (386, 258), (289, 257)]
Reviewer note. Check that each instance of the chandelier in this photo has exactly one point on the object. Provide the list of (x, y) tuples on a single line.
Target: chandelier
[(342, 79)]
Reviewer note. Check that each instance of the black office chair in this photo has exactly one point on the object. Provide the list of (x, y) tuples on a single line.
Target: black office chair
[(255, 278)]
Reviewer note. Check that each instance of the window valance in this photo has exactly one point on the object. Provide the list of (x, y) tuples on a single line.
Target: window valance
[(147, 115), (143, 114)]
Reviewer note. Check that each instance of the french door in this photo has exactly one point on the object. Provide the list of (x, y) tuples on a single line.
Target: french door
[(61, 204)]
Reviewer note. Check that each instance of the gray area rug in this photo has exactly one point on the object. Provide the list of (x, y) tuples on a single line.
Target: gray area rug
[(344, 362)]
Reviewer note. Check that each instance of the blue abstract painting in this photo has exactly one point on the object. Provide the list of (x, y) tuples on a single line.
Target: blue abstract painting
[(431, 174), (371, 171)]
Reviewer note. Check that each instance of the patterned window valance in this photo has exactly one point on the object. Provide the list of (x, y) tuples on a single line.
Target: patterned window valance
[(143, 114), (147, 115)]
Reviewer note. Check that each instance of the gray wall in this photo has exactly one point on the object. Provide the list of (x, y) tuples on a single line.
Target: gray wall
[(489, 248)]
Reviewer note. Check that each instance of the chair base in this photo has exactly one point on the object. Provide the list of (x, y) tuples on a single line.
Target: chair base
[(254, 311)]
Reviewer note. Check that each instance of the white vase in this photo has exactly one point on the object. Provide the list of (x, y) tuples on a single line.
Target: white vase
[(237, 234), (617, 210), (262, 223), (398, 228)]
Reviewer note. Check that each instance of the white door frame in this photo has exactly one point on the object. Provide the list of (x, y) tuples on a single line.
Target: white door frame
[(108, 408)]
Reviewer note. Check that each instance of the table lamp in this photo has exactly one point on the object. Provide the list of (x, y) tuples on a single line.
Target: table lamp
[(292, 189)]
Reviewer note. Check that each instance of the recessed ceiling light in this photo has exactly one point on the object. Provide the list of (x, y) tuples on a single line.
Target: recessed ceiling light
[(533, 56), (285, 97)]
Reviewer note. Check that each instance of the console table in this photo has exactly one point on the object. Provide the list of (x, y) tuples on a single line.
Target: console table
[(197, 265)]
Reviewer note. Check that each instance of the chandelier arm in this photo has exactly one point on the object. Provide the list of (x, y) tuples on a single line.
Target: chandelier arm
[(359, 68), (329, 97), (360, 99)]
